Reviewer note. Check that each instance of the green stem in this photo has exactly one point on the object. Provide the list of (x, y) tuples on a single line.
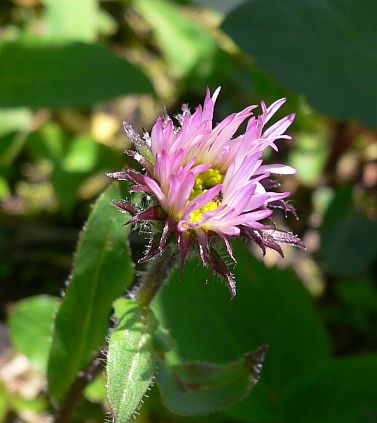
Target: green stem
[(157, 273), (64, 412)]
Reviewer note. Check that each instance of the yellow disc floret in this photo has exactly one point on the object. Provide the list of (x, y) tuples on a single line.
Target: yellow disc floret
[(207, 179), (196, 215), (203, 182)]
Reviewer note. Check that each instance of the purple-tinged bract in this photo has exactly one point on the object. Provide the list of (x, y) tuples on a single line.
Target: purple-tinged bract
[(206, 185)]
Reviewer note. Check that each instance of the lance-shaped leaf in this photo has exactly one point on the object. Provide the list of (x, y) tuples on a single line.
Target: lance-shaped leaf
[(130, 361), (102, 271), (202, 388)]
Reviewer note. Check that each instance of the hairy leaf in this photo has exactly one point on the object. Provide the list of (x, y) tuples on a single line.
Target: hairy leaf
[(201, 388), (130, 362), (102, 271)]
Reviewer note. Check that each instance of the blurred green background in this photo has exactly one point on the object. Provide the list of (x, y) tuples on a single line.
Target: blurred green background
[(72, 70)]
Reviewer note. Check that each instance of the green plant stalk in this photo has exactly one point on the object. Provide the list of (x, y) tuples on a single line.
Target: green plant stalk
[(157, 272)]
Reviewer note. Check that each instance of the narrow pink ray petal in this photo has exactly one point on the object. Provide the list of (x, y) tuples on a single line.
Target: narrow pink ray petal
[(201, 200), (279, 127), (273, 108), (152, 184), (278, 169)]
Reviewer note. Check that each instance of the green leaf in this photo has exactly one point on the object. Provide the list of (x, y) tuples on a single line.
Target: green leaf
[(356, 307), (72, 19), (4, 188), (102, 270), (309, 155), (295, 41), (11, 146), (4, 402), (271, 307), (348, 245), (48, 143), (30, 325), (14, 120), (344, 391), (82, 155), (201, 388), (163, 341), (51, 74), (130, 361), (186, 47), (107, 25), (221, 6), (96, 391)]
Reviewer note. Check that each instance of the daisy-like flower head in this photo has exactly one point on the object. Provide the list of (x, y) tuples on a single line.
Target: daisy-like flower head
[(208, 186)]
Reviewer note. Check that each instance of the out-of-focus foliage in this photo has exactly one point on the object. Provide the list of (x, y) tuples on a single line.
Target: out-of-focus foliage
[(70, 73), (345, 233), (45, 74), (30, 320), (296, 42)]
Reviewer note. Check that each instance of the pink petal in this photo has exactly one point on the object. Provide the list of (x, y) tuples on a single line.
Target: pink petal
[(279, 127), (277, 169), (202, 199), (152, 184), (273, 109)]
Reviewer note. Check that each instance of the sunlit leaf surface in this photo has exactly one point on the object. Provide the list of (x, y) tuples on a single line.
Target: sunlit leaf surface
[(201, 388), (130, 362), (102, 271), (30, 320)]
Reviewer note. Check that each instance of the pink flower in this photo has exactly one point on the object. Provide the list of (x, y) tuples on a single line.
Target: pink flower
[(207, 185)]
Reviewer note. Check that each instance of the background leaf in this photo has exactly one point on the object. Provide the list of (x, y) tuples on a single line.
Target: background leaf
[(269, 304), (222, 6), (309, 156), (197, 388), (295, 41), (344, 391), (13, 120), (102, 271), (46, 74), (344, 234), (30, 324), (72, 20), (186, 46), (130, 362)]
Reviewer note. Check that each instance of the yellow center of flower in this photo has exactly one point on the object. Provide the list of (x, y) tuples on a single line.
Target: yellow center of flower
[(203, 182)]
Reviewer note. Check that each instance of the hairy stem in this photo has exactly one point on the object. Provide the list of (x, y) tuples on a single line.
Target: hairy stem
[(74, 395), (158, 270), (157, 273)]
